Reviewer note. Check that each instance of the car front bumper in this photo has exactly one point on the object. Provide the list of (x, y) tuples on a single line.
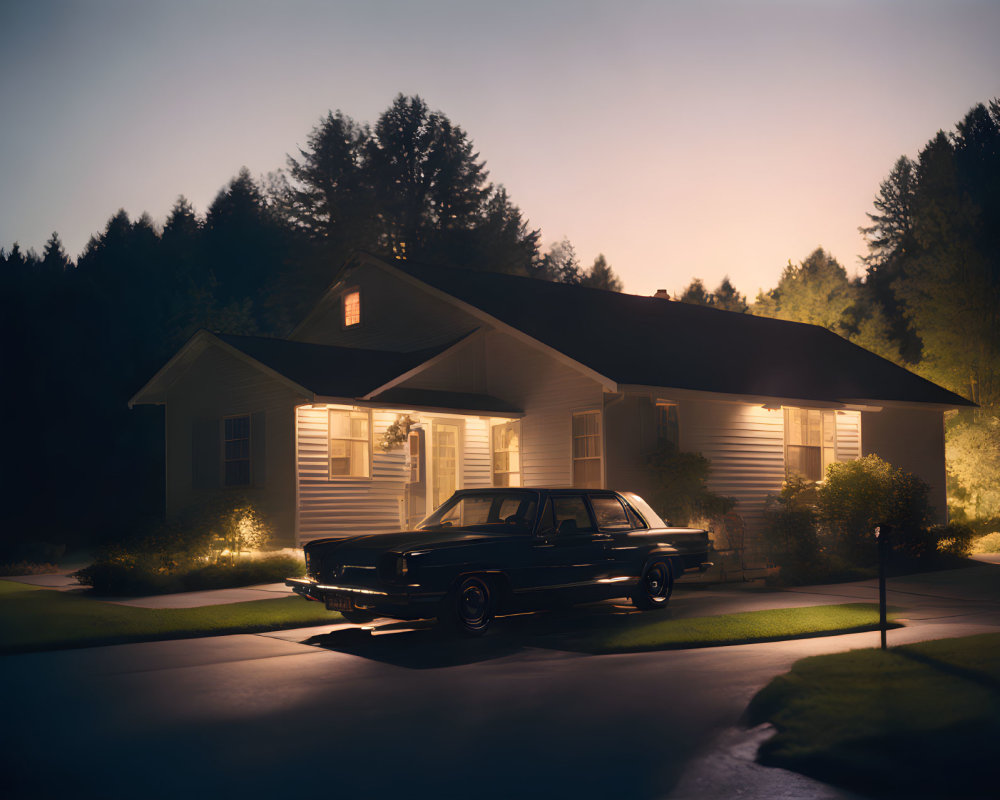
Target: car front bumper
[(408, 603)]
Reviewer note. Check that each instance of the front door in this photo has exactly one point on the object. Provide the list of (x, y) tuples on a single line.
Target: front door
[(444, 461)]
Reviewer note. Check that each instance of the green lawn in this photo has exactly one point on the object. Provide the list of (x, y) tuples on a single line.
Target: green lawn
[(40, 619), (650, 633), (919, 720)]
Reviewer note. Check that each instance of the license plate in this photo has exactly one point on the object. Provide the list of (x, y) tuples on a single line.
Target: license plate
[(338, 602)]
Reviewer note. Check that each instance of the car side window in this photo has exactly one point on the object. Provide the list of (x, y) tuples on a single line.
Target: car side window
[(635, 519), (571, 514), (546, 522), (517, 509), (609, 513)]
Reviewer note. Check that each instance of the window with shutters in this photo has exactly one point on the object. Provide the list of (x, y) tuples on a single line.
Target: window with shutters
[(236, 450), (668, 432)]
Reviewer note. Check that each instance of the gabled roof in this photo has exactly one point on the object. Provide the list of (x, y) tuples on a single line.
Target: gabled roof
[(350, 372), (325, 371), (647, 341)]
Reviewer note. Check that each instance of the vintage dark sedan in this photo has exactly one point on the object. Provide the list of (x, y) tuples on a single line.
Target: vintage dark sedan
[(493, 551)]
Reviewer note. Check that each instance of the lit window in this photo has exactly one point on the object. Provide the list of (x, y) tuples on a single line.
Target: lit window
[(350, 444), (352, 309), (810, 442), (667, 425), (587, 450), (237, 451), (506, 441)]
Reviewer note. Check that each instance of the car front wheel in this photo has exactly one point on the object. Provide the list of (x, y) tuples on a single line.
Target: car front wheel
[(655, 586), (470, 606)]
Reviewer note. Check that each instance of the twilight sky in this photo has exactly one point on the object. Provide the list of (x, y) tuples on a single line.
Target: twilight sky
[(681, 139)]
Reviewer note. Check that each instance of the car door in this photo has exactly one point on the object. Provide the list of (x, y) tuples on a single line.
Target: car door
[(623, 553), (567, 554)]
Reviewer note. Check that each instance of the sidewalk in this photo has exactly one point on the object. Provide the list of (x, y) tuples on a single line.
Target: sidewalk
[(935, 593), (63, 581)]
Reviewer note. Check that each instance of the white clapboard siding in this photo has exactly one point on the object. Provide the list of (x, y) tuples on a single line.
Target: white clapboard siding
[(848, 435), (349, 507), (745, 444), (476, 471), (216, 385), (548, 392)]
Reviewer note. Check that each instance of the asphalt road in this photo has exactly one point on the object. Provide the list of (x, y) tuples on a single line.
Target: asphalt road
[(339, 712)]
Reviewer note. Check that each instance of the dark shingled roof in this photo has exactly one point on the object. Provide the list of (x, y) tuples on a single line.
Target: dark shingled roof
[(653, 342), (327, 370)]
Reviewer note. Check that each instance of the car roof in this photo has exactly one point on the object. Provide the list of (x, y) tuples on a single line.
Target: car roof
[(517, 489)]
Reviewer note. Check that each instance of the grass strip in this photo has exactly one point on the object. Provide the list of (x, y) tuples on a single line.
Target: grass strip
[(920, 720), (747, 627), (38, 619)]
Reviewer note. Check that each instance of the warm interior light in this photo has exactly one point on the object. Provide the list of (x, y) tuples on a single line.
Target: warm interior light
[(352, 309)]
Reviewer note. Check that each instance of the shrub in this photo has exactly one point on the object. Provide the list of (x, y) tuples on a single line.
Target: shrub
[(990, 543), (682, 493), (790, 537), (124, 578), (953, 539), (858, 495), (173, 556)]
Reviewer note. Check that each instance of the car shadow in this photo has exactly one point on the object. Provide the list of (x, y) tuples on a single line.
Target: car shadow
[(426, 645)]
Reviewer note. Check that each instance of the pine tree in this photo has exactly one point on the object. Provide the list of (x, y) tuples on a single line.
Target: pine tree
[(696, 294), (601, 276)]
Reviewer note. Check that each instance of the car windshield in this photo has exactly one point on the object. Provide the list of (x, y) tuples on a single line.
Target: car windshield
[(500, 512)]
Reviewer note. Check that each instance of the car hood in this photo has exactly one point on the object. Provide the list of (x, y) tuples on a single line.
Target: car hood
[(365, 550)]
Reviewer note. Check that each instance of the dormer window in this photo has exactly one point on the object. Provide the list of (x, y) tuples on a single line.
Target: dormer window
[(352, 308)]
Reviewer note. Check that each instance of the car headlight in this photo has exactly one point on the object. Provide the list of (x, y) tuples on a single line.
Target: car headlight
[(401, 567)]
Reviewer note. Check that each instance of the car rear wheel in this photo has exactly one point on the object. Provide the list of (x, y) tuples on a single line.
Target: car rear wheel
[(470, 606), (655, 586)]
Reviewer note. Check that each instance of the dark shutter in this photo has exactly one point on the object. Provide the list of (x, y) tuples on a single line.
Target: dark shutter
[(258, 448), (206, 448)]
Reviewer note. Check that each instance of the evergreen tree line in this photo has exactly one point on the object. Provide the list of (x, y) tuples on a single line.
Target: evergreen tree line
[(82, 336), (929, 298)]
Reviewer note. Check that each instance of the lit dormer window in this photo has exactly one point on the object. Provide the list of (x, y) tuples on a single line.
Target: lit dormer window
[(352, 309)]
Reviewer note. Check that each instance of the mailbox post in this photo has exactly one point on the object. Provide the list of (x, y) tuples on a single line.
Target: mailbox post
[(882, 542)]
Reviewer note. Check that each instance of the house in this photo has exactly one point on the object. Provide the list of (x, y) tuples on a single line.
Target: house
[(408, 381)]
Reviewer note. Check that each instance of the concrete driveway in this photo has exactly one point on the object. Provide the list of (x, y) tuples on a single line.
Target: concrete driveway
[(338, 711)]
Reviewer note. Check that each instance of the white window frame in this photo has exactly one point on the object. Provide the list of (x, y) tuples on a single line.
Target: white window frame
[(355, 412), (430, 448), (516, 423), (353, 291), (827, 438), (600, 445)]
